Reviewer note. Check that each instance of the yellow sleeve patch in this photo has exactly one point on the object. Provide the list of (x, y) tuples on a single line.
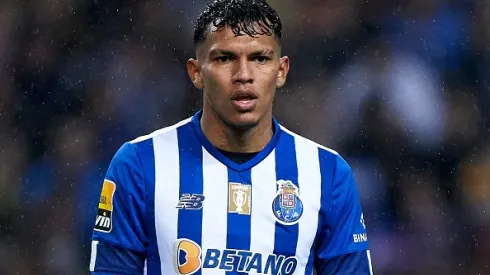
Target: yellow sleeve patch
[(103, 222), (107, 194)]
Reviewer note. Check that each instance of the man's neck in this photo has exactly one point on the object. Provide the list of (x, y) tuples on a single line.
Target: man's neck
[(229, 139)]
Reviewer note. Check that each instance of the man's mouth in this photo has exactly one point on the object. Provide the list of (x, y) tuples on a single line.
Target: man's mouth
[(244, 100)]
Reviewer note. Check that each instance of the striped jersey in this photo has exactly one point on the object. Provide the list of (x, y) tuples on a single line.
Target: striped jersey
[(172, 203)]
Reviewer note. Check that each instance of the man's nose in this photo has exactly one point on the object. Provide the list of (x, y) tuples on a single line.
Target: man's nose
[(243, 71)]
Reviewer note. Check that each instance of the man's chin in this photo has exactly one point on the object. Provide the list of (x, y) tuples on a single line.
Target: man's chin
[(243, 122)]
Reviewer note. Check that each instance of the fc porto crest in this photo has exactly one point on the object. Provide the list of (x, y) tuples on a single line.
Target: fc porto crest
[(287, 205)]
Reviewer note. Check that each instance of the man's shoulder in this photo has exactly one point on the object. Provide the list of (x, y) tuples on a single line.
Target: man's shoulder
[(160, 132), (323, 150), (142, 148)]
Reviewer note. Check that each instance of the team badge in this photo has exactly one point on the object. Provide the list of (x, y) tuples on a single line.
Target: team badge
[(239, 198), (287, 205), (103, 222)]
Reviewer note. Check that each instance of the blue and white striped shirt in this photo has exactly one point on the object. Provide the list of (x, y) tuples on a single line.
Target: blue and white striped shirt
[(172, 203)]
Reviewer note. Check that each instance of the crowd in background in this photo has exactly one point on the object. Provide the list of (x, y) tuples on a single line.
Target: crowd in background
[(399, 88)]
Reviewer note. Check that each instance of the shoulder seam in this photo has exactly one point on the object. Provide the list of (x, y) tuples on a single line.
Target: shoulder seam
[(160, 131), (308, 140)]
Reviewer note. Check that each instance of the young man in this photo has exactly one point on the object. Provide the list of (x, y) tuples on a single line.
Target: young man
[(229, 190)]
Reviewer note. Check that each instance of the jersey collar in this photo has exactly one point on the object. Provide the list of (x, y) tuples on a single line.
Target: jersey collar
[(222, 158)]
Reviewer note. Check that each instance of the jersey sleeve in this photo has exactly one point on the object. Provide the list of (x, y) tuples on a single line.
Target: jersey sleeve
[(119, 240), (342, 246)]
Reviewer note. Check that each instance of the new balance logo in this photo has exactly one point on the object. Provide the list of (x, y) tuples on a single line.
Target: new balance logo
[(192, 202)]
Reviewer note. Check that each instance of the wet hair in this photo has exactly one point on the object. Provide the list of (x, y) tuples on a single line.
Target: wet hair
[(250, 17)]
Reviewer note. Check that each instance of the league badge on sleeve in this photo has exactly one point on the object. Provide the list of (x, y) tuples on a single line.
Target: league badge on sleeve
[(287, 205), (103, 222)]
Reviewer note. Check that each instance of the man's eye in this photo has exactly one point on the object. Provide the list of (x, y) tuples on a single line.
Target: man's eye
[(223, 59), (261, 59)]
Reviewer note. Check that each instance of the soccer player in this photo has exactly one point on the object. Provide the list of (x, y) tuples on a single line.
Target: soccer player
[(230, 190)]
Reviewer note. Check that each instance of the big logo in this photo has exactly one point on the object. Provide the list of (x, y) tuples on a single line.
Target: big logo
[(188, 259)]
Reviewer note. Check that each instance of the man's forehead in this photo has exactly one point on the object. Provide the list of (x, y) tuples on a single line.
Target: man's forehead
[(225, 39)]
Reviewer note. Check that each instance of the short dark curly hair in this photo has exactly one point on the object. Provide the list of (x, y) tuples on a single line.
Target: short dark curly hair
[(251, 17)]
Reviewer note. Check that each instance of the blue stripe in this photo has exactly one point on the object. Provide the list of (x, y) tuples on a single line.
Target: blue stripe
[(328, 163), (286, 236), (191, 182), (311, 259), (147, 156), (238, 225), (327, 168)]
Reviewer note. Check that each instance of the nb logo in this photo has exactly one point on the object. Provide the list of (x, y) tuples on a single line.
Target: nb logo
[(192, 202)]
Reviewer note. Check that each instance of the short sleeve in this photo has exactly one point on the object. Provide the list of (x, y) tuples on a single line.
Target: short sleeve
[(119, 240), (342, 228)]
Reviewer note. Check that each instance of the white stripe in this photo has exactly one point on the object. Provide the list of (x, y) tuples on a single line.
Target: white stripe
[(309, 181), (166, 151), (369, 260), (215, 207), (262, 220), (93, 256)]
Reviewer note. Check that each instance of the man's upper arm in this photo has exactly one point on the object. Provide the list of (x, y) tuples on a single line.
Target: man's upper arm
[(119, 240), (342, 247)]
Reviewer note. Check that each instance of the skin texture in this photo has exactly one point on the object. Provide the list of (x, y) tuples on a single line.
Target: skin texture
[(228, 66)]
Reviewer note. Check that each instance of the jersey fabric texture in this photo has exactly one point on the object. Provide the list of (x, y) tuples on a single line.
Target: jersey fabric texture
[(172, 203)]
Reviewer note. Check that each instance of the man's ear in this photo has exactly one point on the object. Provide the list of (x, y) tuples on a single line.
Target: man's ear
[(282, 74), (194, 72)]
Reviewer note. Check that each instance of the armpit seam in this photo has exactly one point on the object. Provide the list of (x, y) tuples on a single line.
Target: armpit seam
[(118, 245), (345, 253)]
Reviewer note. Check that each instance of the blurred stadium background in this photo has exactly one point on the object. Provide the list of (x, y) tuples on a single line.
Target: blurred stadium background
[(399, 88)]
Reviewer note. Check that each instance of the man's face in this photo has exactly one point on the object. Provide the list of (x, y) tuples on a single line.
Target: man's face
[(239, 75)]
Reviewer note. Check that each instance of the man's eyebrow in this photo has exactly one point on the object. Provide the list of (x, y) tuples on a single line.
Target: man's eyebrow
[(221, 52), (215, 52), (262, 52)]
